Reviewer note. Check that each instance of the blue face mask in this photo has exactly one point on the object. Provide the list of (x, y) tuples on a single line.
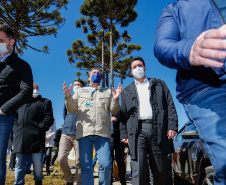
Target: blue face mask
[(96, 78)]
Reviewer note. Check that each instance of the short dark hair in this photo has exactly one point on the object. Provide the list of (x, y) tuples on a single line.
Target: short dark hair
[(8, 31), (137, 58), (80, 81)]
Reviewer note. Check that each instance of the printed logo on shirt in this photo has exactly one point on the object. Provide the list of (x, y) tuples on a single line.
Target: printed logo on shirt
[(85, 90)]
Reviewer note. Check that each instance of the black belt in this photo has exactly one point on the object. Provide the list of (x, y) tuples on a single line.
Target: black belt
[(148, 121)]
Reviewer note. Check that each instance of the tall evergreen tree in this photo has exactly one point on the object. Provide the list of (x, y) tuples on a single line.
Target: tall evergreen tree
[(119, 12), (97, 20), (86, 57), (29, 18), (115, 12)]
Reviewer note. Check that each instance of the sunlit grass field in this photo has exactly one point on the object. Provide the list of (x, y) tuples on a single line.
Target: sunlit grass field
[(54, 178)]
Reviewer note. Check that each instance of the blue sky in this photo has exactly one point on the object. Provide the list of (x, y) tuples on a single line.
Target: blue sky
[(51, 70)]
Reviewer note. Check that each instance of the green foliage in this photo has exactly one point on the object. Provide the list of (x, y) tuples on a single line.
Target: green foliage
[(107, 47), (86, 57), (109, 13), (120, 11), (30, 18)]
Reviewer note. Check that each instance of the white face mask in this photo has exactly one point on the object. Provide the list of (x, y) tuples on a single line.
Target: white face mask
[(35, 93), (75, 88), (138, 72), (3, 49)]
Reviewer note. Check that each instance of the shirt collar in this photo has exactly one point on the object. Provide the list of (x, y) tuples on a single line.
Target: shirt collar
[(138, 83), (4, 57), (98, 87)]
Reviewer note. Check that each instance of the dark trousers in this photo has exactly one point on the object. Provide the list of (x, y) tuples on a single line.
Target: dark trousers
[(47, 157), (12, 162), (169, 179), (157, 163), (119, 148)]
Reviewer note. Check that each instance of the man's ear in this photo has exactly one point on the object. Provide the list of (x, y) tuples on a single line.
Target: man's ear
[(12, 42), (144, 68)]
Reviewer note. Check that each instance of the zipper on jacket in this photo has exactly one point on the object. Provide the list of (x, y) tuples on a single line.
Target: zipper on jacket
[(222, 19)]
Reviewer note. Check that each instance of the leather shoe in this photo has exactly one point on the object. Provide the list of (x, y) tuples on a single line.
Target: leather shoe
[(69, 183), (28, 172)]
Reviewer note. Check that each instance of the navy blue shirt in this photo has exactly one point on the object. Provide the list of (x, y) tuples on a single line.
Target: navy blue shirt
[(69, 126)]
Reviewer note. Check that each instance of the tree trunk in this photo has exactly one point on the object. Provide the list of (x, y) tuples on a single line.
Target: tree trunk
[(103, 70), (111, 54), (107, 80), (121, 80)]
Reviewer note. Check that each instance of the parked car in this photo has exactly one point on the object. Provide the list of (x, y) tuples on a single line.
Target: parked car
[(190, 161)]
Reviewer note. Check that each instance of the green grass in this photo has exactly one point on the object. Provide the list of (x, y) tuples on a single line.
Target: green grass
[(48, 180)]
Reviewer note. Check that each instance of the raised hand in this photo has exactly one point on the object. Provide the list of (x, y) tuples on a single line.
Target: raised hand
[(67, 91), (207, 46), (116, 93)]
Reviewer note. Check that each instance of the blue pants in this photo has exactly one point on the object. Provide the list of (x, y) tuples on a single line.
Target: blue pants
[(6, 126), (20, 169), (207, 110), (28, 163), (103, 150)]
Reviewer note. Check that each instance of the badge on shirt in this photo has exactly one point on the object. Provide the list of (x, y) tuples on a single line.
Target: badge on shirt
[(88, 104), (85, 90)]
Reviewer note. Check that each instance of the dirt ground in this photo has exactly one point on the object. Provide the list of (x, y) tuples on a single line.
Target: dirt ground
[(72, 165)]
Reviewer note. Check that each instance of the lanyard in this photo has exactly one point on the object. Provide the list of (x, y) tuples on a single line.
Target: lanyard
[(92, 94)]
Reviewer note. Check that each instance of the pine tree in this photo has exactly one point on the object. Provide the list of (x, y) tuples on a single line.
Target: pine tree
[(86, 57), (109, 13), (29, 18)]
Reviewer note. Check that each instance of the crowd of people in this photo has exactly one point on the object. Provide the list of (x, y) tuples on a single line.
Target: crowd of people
[(145, 119)]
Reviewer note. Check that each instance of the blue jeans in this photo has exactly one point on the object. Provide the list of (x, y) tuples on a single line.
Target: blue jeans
[(20, 169), (6, 126), (207, 110), (103, 151), (28, 163)]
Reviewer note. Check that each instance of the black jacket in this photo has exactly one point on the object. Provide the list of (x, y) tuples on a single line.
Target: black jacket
[(164, 116), (32, 120), (16, 84)]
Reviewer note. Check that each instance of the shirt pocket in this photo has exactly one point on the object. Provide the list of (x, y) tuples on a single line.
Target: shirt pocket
[(104, 101), (83, 99)]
